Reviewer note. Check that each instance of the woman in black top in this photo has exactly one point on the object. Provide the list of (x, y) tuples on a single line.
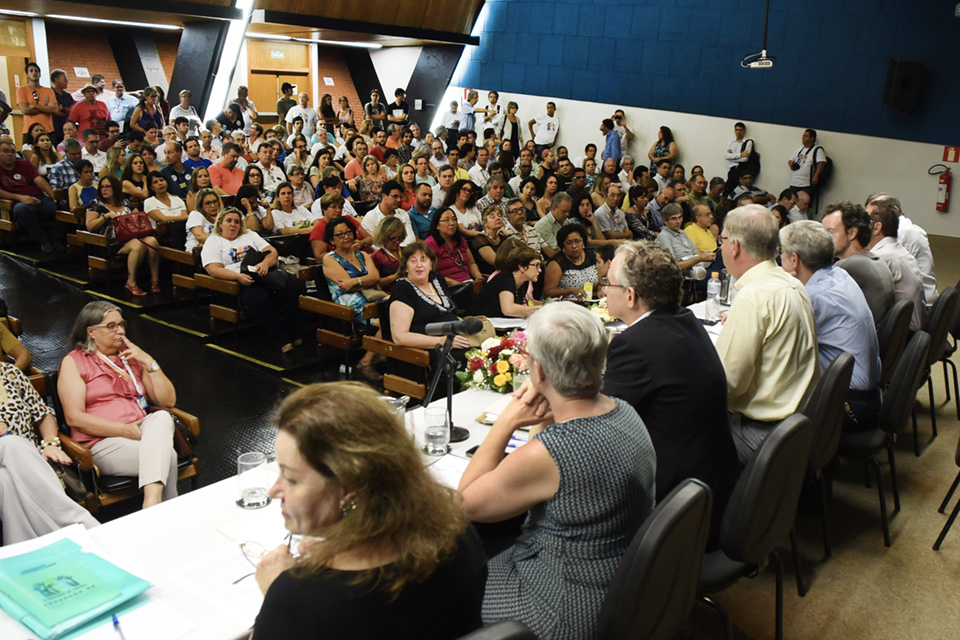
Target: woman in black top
[(505, 295), (390, 553), (420, 296)]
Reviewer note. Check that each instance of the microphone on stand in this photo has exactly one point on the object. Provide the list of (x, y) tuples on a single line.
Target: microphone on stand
[(466, 327)]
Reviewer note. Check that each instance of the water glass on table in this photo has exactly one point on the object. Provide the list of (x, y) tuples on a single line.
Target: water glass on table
[(436, 432), (253, 480)]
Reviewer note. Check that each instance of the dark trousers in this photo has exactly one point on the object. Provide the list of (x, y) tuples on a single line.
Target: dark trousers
[(31, 218), (282, 325)]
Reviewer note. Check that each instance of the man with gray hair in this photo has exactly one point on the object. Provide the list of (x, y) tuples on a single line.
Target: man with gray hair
[(550, 224), (914, 239), (768, 344), (649, 365), (843, 317), (679, 243)]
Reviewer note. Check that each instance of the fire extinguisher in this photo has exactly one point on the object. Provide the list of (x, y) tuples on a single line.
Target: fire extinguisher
[(943, 186)]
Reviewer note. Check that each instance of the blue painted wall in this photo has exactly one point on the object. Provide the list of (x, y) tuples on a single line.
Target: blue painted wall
[(684, 55)]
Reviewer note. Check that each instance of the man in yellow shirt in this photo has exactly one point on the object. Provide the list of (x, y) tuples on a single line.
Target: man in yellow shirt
[(768, 344), (699, 230)]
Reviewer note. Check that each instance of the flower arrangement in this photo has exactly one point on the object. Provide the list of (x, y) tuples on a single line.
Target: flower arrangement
[(495, 363), (600, 309)]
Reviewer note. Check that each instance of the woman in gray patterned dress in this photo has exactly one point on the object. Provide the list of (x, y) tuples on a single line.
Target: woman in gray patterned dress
[(586, 477)]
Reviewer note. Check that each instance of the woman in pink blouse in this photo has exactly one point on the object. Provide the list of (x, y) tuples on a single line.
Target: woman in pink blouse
[(105, 385)]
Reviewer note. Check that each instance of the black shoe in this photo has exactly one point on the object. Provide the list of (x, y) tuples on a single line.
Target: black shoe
[(46, 247), (60, 245)]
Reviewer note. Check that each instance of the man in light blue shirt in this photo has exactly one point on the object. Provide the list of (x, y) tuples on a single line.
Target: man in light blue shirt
[(120, 104), (612, 147), (843, 317)]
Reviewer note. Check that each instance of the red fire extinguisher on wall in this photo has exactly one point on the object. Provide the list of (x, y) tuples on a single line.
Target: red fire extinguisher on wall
[(943, 186)]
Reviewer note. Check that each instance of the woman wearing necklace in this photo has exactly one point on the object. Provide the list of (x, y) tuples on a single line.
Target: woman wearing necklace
[(509, 293), (389, 234), (484, 246), (105, 385), (572, 268), (454, 260)]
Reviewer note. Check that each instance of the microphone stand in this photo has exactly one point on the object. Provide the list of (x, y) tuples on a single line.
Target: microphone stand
[(447, 364)]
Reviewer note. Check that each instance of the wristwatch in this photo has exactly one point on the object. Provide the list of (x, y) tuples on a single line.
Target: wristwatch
[(154, 367)]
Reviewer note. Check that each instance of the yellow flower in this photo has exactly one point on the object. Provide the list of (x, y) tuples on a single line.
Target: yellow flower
[(503, 366), (508, 376), (500, 380)]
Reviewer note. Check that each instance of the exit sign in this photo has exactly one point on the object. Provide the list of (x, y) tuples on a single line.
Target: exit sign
[(276, 54)]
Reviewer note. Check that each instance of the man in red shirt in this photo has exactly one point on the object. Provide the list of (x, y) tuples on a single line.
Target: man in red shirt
[(91, 113), (225, 177), (33, 197)]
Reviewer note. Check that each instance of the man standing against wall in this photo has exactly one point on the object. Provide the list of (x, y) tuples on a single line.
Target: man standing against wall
[(36, 103), (120, 104), (285, 103), (59, 80), (544, 129), (611, 147), (807, 164), (374, 110)]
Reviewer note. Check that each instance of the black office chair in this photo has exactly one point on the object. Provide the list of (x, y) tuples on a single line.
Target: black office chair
[(946, 500), (655, 587), (760, 515), (948, 353), (893, 333), (506, 630), (937, 323), (825, 410), (897, 406)]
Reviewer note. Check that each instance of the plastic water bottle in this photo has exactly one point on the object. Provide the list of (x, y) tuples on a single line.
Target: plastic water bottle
[(713, 296)]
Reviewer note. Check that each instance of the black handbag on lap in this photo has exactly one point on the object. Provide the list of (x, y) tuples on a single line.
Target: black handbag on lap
[(274, 281)]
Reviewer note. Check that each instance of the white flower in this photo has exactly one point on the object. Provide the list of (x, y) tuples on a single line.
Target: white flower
[(507, 353), (478, 376), (489, 343)]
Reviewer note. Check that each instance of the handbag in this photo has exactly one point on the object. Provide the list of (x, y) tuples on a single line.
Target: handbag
[(274, 280), (71, 481), (486, 332), (183, 439), (132, 225)]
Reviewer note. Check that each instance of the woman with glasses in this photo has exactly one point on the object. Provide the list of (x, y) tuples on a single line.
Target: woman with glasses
[(462, 199), (485, 245), (105, 386), (572, 268), (331, 208), (348, 271), (509, 292), (109, 205), (454, 260), (201, 220), (235, 254), (387, 549)]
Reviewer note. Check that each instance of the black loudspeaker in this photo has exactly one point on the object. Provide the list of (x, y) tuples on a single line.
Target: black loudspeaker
[(904, 81)]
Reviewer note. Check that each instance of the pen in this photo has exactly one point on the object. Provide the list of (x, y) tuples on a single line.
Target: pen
[(116, 627)]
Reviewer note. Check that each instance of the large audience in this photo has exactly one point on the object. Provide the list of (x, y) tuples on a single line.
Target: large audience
[(392, 211)]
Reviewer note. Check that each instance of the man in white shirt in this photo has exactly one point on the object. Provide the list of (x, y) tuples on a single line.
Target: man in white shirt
[(914, 239), (807, 163), (623, 130), (273, 175), (445, 181), (612, 221), (907, 281), (390, 196), (544, 128), (439, 158), (247, 108), (524, 171), (738, 150), (308, 113), (478, 172), (801, 208), (451, 120), (91, 150), (661, 177)]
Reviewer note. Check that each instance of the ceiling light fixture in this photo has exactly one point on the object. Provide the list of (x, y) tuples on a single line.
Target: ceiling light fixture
[(268, 36), (125, 23), (334, 43), (23, 14)]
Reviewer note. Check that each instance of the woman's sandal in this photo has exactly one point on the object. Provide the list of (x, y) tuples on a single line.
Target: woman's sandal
[(369, 372), (154, 286), (134, 290)]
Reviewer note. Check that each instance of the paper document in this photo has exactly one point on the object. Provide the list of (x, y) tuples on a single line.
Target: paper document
[(448, 470)]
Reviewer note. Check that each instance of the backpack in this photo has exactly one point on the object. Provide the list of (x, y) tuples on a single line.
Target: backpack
[(753, 161), (827, 168)]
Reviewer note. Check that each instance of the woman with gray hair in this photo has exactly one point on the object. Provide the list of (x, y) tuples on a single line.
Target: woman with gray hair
[(106, 383), (586, 476)]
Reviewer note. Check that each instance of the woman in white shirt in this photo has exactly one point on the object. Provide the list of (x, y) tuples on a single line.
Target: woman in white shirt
[(44, 155), (224, 256), (287, 217), (201, 220), (462, 198), (163, 206), (185, 110)]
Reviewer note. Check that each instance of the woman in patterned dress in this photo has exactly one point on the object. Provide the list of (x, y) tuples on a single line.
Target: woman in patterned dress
[(586, 476)]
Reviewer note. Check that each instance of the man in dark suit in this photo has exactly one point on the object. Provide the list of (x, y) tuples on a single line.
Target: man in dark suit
[(665, 365)]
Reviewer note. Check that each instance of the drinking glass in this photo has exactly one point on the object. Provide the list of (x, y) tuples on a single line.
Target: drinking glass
[(253, 480), (436, 432)]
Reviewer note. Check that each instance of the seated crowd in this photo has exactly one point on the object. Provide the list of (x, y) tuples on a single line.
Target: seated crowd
[(446, 224)]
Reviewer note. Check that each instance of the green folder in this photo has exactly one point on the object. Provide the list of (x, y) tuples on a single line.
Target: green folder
[(59, 587)]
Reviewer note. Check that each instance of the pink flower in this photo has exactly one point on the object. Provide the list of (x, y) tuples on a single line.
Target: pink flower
[(517, 361), (518, 337)]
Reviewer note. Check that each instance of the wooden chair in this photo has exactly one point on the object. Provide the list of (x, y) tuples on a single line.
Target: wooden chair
[(337, 329), (108, 490), (226, 301), (411, 358), (186, 265)]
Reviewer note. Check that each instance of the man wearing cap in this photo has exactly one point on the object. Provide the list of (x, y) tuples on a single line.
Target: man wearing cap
[(91, 113), (99, 84)]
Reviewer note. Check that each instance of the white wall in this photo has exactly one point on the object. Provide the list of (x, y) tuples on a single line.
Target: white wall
[(862, 164), (394, 67)]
